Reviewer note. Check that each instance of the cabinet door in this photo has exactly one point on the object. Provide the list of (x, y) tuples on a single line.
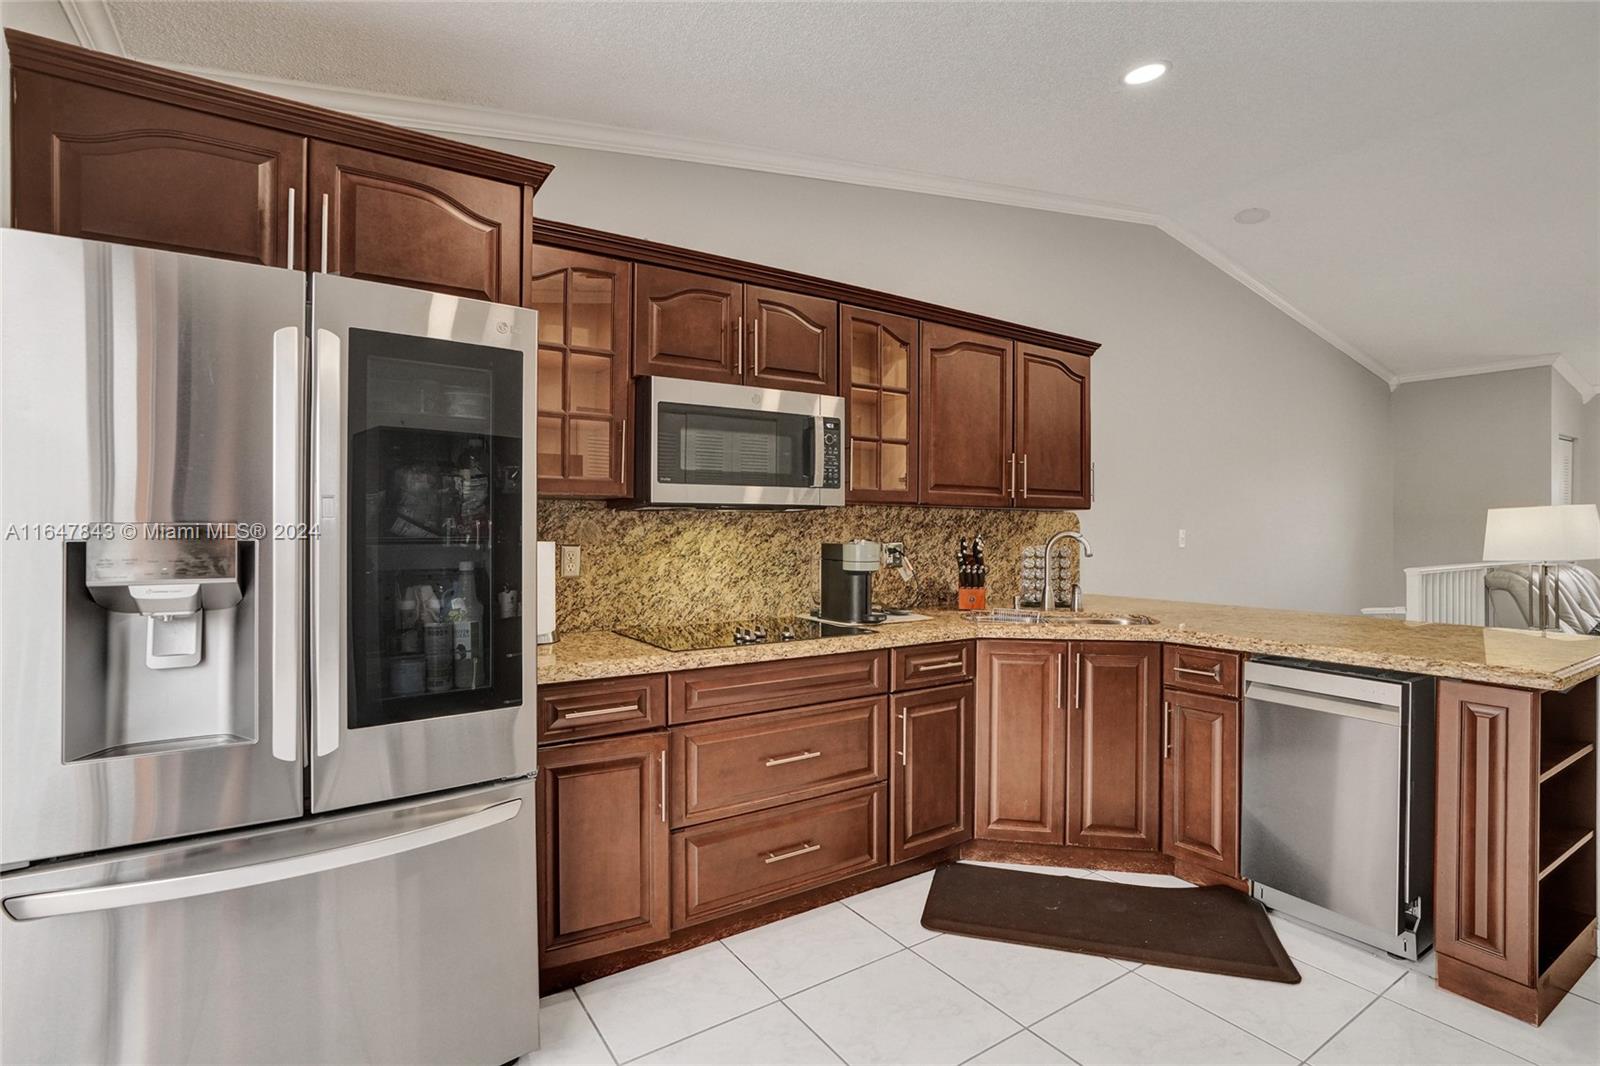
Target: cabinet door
[(965, 418), (1486, 877), (602, 828), (407, 223), (931, 775), (794, 341), (585, 379), (1021, 742), (93, 163), (1114, 772), (1200, 781), (687, 325), (878, 361), (1052, 435)]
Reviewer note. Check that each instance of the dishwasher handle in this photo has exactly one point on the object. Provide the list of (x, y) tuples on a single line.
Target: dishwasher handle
[(1312, 701)]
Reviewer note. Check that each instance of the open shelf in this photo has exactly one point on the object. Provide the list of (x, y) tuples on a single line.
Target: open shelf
[(1559, 844), (1557, 756)]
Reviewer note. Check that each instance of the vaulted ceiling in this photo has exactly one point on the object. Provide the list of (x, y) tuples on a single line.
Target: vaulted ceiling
[(1432, 170)]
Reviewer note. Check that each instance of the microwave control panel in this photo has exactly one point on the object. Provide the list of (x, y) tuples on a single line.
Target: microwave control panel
[(832, 452)]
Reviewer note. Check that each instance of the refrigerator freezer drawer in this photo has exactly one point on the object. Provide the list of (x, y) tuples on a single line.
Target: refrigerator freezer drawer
[(398, 934)]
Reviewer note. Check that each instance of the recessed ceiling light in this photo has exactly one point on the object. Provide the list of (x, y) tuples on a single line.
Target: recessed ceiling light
[(1251, 215), (1147, 73)]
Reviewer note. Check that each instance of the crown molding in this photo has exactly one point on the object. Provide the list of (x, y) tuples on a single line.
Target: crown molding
[(1559, 363), (92, 22)]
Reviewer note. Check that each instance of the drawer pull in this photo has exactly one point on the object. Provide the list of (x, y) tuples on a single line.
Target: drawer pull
[(598, 711), (1215, 673), (803, 849), (953, 665), (782, 760)]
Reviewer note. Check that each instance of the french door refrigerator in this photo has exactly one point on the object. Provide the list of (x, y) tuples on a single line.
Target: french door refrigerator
[(266, 740)]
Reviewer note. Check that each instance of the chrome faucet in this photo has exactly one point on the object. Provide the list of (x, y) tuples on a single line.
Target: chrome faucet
[(1075, 595)]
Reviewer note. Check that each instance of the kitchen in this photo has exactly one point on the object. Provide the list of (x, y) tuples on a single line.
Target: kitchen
[(696, 820)]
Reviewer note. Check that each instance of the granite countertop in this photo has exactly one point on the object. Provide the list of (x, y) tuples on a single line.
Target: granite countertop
[(1497, 656)]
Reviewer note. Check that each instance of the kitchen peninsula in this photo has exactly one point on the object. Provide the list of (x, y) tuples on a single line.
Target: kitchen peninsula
[(1062, 742)]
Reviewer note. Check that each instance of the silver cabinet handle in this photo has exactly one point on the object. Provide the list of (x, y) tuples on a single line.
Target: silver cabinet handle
[(1011, 466), (287, 564), (955, 665), (290, 227), (597, 712), (624, 447), (1077, 669), (784, 760), (1215, 673), (804, 849), (327, 553), (739, 368), (1024, 475), (905, 736), (755, 346), (1166, 729), (663, 785), (187, 886), (324, 233)]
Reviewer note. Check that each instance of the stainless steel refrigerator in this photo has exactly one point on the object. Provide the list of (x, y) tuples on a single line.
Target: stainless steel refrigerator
[(266, 739)]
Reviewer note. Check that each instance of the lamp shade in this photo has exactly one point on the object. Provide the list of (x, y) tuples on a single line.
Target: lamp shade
[(1542, 534)]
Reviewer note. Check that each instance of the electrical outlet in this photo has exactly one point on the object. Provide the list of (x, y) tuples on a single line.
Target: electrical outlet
[(571, 560), (1183, 538)]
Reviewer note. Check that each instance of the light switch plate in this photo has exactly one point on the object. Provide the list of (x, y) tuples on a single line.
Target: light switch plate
[(571, 560)]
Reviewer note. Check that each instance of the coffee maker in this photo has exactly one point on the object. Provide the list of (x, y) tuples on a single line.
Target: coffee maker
[(847, 571)]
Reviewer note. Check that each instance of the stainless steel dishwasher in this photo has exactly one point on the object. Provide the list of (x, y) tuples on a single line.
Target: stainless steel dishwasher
[(1337, 807)]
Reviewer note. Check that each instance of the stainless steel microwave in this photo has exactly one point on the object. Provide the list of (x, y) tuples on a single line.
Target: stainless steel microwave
[(712, 445)]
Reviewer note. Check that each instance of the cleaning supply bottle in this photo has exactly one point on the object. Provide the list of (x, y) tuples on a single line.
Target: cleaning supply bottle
[(466, 615)]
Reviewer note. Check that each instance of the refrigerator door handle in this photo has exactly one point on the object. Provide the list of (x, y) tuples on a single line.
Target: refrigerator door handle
[(167, 889), (327, 557), (284, 542)]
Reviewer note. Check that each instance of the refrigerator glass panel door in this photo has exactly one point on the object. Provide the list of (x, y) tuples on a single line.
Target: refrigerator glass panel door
[(151, 413), (404, 933), (420, 415)]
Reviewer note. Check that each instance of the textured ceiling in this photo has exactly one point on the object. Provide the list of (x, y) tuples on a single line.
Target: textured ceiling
[(1433, 170)]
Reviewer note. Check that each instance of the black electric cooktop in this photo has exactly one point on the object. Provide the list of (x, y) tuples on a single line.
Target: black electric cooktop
[(703, 635)]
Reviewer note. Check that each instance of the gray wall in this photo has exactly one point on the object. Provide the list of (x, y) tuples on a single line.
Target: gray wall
[(1461, 446), (1213, 411)]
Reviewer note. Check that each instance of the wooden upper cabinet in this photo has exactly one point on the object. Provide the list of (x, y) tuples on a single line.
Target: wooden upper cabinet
[(1052, 428), (793, 342), (585, 380), (1200, 781), (878, 366), (966, 411), (687, 325), (408, 223), (1114, 773), (602, 855), (1021, 742), (931, 776), (88, 162)]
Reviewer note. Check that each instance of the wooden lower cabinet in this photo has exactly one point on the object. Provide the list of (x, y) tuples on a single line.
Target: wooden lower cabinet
[(602, 865), (735, 863), (1021, 742), (1114, 746), (931, 776), (1200, 781)]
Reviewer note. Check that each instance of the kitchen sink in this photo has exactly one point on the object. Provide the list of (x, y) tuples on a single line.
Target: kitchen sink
[(1027, 617)]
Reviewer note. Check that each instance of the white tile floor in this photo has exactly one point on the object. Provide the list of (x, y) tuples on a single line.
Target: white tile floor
[(861, 981)]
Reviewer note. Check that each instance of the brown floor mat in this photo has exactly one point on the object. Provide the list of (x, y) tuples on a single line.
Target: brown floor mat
[(1214, 930)]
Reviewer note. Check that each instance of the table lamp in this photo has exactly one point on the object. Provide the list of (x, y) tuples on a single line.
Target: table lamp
[(1543, 535)]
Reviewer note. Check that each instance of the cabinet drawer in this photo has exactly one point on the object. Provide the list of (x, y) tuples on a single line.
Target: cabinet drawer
[(748, 764), (724, 691), (730, 865), (602, 708), (931, 664), (1200, 670)]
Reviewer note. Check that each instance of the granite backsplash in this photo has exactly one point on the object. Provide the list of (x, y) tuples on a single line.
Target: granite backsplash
[(659, 567)]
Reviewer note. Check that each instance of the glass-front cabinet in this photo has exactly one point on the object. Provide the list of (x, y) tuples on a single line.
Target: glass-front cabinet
[(583, 303), (435, 459), (878, 356)]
